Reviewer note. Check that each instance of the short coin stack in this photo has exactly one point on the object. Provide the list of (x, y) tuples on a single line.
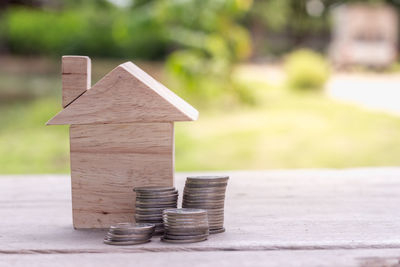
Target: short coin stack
[(207, 192), (185, 225), (150, 203), (129, 234)]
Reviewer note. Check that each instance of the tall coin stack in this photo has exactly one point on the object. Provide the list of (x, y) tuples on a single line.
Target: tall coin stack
[(208, 193), (185, 225), (150, 203)]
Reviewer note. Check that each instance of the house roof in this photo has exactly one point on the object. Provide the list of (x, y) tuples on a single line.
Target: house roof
[(126, 94)]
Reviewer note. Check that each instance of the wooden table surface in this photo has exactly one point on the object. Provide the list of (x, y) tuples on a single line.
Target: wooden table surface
[(273, 218)]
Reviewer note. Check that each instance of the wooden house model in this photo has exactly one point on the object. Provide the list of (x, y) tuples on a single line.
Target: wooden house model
[(121, 136)]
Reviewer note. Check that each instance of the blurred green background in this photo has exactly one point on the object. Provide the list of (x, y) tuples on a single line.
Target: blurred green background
[(217, 55)]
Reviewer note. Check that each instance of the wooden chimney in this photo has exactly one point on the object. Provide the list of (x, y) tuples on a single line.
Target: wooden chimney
[(76, 77)]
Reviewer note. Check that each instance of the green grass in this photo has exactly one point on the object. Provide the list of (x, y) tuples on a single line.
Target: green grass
[(289, 130), (286, 129)]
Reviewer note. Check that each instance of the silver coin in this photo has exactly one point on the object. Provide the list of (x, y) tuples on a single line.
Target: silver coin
[(156, 193), (186, 217), (157, 204), (184, 221), (206, 195), (218, 221), (172, 222), (157, 199), (205, 183), (127, 232), (215, 220), (206, 187), (216, 214), (114, 238), (217, 231), (201, 206), (203, 197), (165, 206), (124, 243), (204, 201), (134, 235), (186, 225), (144, 216), (203, 191), (208, 178), (149, 221), (183, 237), (199, 187), (154, 189), (216, 225), (182, 228), (215, 211), (179, 212), (132, 227), (149, 210), (186, 231), (199, 182)]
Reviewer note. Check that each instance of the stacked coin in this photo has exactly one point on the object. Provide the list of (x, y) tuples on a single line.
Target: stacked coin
[(129, 233), (207, 192), (150, 203), (185, 225)]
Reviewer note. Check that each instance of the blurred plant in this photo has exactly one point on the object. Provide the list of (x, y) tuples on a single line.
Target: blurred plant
[(306, 69), (209, 41), (91, 30), (205, 37)]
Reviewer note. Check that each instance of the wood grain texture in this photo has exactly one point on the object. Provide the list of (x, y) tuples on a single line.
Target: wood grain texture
[(308, 210), (286, 258), (76, 77), (126, 94), (108, 160)]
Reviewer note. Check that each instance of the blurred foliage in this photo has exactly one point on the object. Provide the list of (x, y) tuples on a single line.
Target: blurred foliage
[(203, 38), (290, 14), (90, 31), (306, 69), (211, 41)]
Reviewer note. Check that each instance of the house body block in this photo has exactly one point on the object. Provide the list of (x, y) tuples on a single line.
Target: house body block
[(121, 136)]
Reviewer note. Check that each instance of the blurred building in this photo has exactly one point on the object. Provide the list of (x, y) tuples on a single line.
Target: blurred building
[(364, 35)]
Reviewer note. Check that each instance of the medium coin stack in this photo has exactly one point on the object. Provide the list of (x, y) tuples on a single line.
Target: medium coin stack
[(150, 203), (185, 225), (129, 234), (208, 193)]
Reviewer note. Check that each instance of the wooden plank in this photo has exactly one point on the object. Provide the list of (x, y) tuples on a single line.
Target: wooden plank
[(108, 160), (126, 94), (322, 258), (76, 77), (265, 210)]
